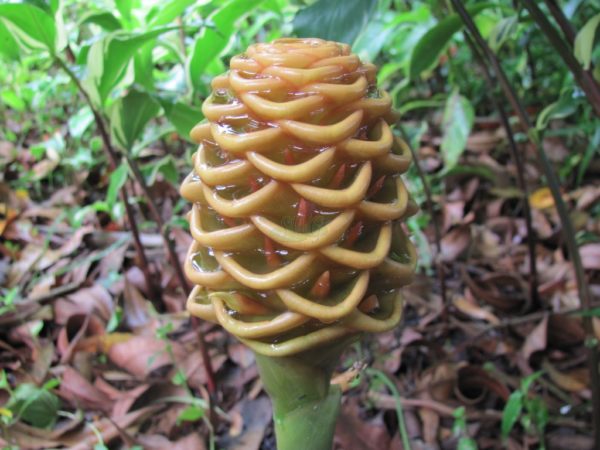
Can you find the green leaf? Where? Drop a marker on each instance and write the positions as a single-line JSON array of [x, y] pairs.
[[504, 30], [108, 60], [115, 319], [334, 20], [103, 19], [80, 121], [212, 41], [12, 100], [124, 7], [456, 125], [4, 381], [81, 213], [465, 443], [370, 42], [182, 116], [117, 180], [8, 45], [528, 381], [35, 406], [191, 414], [426, 53], [31, 27], [166, 12], [165, 166], [380, 31], [179, 378], [511, 412], [584, 42], [129, 116], [460, 421], [563, 107]]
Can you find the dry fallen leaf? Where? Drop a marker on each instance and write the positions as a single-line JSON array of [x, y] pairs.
[[141, 355], [473, 310], [536, 340], [81, 393], [455, 242], [573, 380]]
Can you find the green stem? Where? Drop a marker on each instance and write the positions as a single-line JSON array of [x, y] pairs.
[[305, 404]]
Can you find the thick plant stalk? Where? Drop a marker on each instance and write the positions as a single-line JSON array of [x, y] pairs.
[[298, 202], [305, 404]]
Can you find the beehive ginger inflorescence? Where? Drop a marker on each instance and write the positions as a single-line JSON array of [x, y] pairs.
[[298, 200]]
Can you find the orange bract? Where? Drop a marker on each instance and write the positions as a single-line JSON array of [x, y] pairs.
[[298, 199]]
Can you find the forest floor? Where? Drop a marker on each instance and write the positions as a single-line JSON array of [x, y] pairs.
[[89, 356]]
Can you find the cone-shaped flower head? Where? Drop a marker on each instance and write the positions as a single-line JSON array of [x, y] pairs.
[[298, 200]]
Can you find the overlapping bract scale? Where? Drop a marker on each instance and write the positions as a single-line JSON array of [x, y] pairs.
[[297, 200]]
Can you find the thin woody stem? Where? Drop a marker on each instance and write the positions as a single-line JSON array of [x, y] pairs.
[[516, 155], [124, 194], [113, 160], [561, 208], [436, 226]]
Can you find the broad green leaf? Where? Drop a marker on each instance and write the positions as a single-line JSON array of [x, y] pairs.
[[426, 53], [129, 116], [503, 31], [334, 20], [12, 100], [456, 124], [80, 121], [117, 180], [103, 19], [143, 66], [378, 33], [511, 413], [212, 41], [34, 405], [182, 116], [44, 5], [166, 12], [165, 166], [124, 7], [8, 45], [108, 59], [61, 31], [32, 27], [372, 39], [584, 42], [563, 107]]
